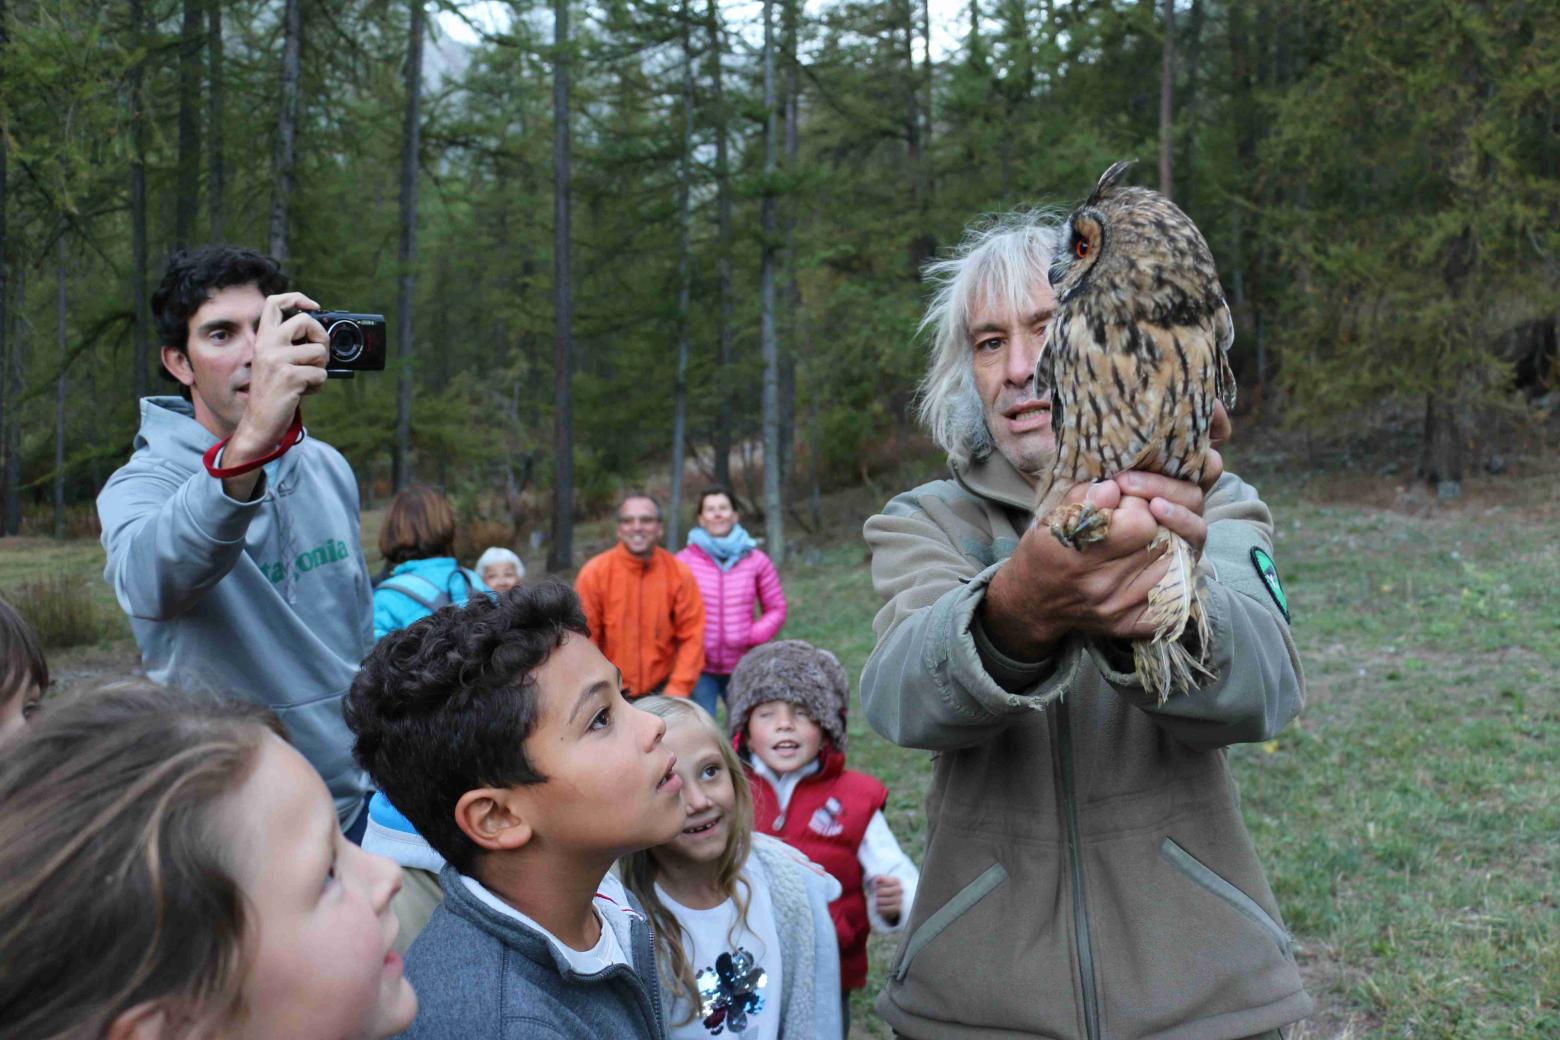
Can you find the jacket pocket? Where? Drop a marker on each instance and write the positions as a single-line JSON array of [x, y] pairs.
[[1204, 875], [949, 912]]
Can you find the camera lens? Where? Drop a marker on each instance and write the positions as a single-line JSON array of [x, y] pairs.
[[346, 341]]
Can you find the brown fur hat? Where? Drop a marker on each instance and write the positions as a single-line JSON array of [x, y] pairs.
[[791, 670]]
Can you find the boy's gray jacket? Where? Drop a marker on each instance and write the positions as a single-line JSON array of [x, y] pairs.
[[809, 946], [481, 975], [1087, 871], [267, 600]]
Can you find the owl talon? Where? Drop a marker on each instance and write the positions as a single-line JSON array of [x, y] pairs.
[[1079, 524]]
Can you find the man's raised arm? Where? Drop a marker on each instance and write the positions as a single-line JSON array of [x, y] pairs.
[[169, 537]]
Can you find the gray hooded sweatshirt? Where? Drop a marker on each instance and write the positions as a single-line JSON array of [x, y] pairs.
[[267, 600]]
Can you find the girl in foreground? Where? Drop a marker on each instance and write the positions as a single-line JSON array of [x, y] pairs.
[[744, 942], [173, 870]]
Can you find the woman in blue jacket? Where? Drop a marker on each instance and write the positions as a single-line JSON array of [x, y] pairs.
[[418, 539]]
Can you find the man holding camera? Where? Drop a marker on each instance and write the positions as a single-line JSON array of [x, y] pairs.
[[232, 537]]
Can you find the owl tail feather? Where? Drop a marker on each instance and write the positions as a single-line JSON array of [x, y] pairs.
[[1163, 663]]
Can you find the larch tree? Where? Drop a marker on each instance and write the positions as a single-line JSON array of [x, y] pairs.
[[560, 553], [285, 157], [774, 505], [407, 256]]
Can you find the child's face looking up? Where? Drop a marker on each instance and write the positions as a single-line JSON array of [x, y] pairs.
[[612, 787], [500, 577], [17, 706], [783, 736], [323, 967], [708, 796]]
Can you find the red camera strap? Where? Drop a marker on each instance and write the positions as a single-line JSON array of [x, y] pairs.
[[293, 435]]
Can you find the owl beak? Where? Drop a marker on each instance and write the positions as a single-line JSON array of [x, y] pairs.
[[1058, 272]]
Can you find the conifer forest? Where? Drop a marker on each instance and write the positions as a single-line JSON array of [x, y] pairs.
[[623, 240]]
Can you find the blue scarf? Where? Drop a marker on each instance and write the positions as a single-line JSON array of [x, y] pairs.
[[727, 551]]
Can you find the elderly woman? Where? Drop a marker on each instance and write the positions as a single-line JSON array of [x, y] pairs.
[[733, 574], [500, 568], [419, 540]]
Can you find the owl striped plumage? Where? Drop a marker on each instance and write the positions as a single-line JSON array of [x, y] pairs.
[[1137, 354]]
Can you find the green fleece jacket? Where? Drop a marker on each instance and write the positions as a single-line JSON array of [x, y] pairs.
[[1087, 871]]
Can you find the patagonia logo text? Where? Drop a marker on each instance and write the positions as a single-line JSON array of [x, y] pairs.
[[331, 551]]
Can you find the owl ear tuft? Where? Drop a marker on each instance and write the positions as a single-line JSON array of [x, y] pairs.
[[1109, 178]]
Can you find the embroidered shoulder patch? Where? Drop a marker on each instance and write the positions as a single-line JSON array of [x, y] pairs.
[[1264, 565]]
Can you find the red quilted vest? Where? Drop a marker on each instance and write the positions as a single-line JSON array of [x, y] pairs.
[[827, 819]]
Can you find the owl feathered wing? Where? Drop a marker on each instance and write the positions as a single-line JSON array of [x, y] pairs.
[[1133, 396], [1139, 396]]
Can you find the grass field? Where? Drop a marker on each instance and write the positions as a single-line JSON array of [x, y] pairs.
[[1409, 821]]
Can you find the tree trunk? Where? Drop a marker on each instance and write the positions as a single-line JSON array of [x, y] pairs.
[[13, 376], [684, 288], [815, 471], [1167, 100], [141, 349], [560, 554], [792, 296], [5, 253], [216, 173], [187, 204], [1193, 65], [927, 109], [286, 132], [1441, 463], [724, 356], [920, 245], [59, 390], [774, 507], [411, 139]]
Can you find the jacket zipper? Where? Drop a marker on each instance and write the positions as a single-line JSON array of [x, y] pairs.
[[720, 611], [1091, 1006], [653, 991]]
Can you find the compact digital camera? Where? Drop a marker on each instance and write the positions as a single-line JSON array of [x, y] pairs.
[[357, 342]]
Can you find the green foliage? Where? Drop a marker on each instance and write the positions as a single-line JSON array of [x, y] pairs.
[[1379, 183], [1418, 214]]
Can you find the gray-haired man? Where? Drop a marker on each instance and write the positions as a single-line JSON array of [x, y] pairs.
[[1087, 872]]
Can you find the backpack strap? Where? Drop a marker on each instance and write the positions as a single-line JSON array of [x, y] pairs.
[[394, 585]]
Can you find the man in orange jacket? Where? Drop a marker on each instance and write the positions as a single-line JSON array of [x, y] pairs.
[[643, 606]]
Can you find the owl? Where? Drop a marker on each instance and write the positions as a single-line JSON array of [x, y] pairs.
[[1137, 355]]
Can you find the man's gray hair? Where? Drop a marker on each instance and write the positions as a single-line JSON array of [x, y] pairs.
[[996, 264]]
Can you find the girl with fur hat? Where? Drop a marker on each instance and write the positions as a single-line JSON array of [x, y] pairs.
[[744, 941], [788, 702]]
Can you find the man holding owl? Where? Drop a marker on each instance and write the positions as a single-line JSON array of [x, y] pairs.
[[1087, 871]]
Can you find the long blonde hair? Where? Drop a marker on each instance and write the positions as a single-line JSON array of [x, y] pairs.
[[639, 870], [116, 883]]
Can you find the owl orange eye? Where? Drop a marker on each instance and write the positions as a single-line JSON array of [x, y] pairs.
[[1081, 248]]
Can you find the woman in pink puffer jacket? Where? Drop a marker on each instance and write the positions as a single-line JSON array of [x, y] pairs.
[[732, 574]]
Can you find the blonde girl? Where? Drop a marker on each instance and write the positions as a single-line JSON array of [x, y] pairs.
[[744, 943], [174, 871]]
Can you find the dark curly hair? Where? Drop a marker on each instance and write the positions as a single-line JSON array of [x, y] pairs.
[[194, 274], [445, 705]]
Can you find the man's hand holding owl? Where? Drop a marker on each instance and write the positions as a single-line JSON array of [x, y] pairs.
[[1047, 590]]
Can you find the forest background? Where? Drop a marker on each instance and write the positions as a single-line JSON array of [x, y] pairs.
[[630, 239], [653, 243]]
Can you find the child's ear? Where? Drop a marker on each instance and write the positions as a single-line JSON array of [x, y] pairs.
[[496, 818], [147, 1021]]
